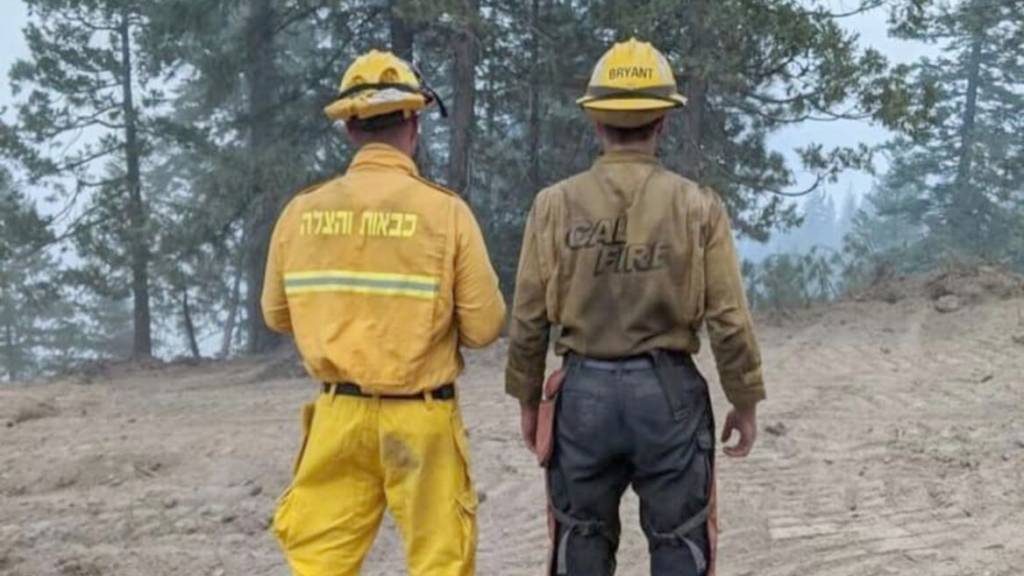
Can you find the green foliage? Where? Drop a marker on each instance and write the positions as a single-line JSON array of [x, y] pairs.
[[750, 69], [791, 281], [884, 241], [23, 290], [88, 116], [169, 156], [959, 181], [40, 329], [819, 226]]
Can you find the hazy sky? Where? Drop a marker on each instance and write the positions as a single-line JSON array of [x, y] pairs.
[[871, 27], [873, 30], [12, 45]]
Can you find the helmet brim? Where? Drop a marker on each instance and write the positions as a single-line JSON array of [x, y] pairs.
[[347, 108], [632, 103], [625, 118]]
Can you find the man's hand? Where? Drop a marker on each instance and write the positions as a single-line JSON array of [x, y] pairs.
[[745, 422], [528, 425]]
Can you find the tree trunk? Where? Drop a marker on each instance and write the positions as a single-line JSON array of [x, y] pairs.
[[463, 113], [261, 86], [142, 342], [403, 40], [695, 87], [232, 319], [963, 223], [10, 352], [970, 112], [533, 134], [190, 327], [402, 33]]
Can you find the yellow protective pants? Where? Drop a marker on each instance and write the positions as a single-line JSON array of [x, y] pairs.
[[362, 455]]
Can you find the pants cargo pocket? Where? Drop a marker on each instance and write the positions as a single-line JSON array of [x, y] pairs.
[[467, 500], [698, 539], [308, 411], [705, 454], [280, 524], [467, 514]]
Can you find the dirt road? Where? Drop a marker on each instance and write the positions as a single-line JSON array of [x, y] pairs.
[[893, 443]]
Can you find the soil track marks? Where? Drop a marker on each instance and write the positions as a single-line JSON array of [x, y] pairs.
[[901, 452]]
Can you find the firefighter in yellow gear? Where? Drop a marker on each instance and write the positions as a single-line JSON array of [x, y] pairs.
[[629, 260], [381, 276]]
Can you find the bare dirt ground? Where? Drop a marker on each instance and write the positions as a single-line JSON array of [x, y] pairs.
[[892, 443]]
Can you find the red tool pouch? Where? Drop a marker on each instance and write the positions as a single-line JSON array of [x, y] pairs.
[[546, 417], [713, 528]]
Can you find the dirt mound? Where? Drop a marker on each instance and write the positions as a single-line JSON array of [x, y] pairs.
[[975, 284], [283, 364], [91, 470], [950, 288], [103, 371], [70, 567], [29, 410]]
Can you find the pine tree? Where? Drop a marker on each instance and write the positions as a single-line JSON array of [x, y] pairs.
[[819, 223], [748, 69], [259, 75], [851, 206], [231, 94], [28, 292], [89, 117], [884, 239], [966, 171]]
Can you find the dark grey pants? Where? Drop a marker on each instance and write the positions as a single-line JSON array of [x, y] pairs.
[[614, 429]]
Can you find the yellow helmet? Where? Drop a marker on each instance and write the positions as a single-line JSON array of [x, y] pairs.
[[380, 83], [632, 85]]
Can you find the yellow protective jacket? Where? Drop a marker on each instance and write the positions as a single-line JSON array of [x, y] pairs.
[[627, 258], [381, 275]]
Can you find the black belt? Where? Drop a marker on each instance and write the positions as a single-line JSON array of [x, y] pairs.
[[445, 392], [627, 363]]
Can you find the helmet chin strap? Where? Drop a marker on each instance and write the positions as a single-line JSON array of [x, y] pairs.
[[435, 97], [427, 91]]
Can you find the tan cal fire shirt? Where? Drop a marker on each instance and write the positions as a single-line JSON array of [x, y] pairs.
[[627, 258], [382, 276]]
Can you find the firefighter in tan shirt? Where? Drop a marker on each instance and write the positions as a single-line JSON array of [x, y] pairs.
[[628, 260], [381, 276]]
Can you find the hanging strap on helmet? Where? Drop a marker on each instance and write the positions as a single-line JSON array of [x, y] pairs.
[[424, 89]]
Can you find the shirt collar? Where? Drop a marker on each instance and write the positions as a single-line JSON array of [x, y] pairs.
[[383, 157], [627, 157]]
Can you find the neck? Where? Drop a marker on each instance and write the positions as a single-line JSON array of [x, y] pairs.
[[403, 147], [648, 147]]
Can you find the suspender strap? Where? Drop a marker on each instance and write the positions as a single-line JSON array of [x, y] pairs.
[[570, 526], [681, 535]]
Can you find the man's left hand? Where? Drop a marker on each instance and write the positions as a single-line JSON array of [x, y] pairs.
[[743, 421]]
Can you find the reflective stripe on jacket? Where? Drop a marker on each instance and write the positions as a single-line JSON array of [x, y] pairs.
[[627, 258], [381, 275]]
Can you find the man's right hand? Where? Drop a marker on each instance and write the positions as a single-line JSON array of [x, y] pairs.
[[528, 425]]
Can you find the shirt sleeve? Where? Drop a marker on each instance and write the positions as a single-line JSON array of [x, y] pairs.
[[729, 324], [479, 304], [275, 300], [530, 329]]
